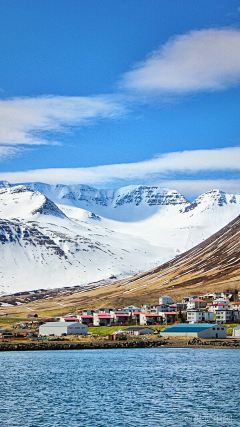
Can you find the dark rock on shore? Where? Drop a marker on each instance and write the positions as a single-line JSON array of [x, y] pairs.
[[47, 345]]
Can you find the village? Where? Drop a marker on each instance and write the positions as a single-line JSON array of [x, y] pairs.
[[204, 317]]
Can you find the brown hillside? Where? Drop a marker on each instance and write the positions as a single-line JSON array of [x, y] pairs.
[[213, 265]]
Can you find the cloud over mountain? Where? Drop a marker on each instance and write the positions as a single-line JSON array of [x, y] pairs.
[[203, 60]]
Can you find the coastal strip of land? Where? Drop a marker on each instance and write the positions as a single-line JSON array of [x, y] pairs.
[[102, 345]]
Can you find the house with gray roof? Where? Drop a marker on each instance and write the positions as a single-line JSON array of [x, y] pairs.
[[62, 328]]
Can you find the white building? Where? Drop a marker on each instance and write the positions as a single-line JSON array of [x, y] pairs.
[[196, 303], [198, 330], [221, 301], [236, 332], [157, 308], [195, 316], [131, 308], [224, 316], [235, 306], [217, 307], [138, 330], [102, 319], [156, 318], [62, 328], [165, 300]]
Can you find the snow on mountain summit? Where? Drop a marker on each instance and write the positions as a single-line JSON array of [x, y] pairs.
[[58, 235], [19, 202], [130, 203]]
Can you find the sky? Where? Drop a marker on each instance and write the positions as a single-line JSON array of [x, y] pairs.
[[113, 93]]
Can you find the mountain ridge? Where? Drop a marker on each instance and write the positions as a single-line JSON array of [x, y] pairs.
[[158, 224]]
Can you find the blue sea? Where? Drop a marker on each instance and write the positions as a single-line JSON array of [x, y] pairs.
[[120, 388]]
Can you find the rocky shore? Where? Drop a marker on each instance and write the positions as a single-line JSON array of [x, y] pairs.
[[95, 345]]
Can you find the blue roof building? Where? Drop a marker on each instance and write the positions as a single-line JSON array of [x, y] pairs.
[[200, 330]]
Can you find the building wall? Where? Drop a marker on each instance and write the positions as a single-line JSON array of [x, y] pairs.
[[76, 328], [200, 316], [236, 332], [144, 331], [214, 332], [165, 300], [206, 333]]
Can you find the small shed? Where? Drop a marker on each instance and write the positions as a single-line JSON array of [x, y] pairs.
[[138, 330], [236, 332], [62, 328], [199, 330]]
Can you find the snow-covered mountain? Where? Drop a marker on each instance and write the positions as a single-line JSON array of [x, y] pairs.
[[132, 203], [58, 235]]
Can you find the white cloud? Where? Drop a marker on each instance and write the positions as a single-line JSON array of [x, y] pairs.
[[204, 60], [10, 152], [24, 120], [164, 166]]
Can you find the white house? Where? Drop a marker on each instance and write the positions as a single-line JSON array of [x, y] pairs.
[[120, 316], [157, 308], [68, 318], [138, 330], [149, 318], [86, 319], [224, 316], [236, 332], [217, 307], [131, 308], [62, 328], [235, 306], [221, 301], [165, 299], [102, 319], [199, 330], [195, 316], [196, 303]]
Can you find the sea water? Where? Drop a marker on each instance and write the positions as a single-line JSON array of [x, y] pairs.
[[120, 388]]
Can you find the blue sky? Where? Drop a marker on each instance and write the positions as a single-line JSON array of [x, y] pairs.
[[111, 93]]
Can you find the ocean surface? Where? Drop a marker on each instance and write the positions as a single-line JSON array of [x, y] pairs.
[[120, 388]]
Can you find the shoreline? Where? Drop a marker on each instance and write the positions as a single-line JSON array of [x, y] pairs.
[[63, 345]]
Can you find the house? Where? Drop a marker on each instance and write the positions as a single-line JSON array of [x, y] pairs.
[[62, 328], [225, 316], [136, 316], [88, 312], [177, 306], [120, 317], [236, 332], [150, 318], [86, 319], [165, 299], [138, 330], [156, 308], [195, 316], [235, 306], [102, 319], [105, 310], [69, 319], [199, 330], [196, 303], [216, 307], [221, 301], [131, 308], [168, 316]]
